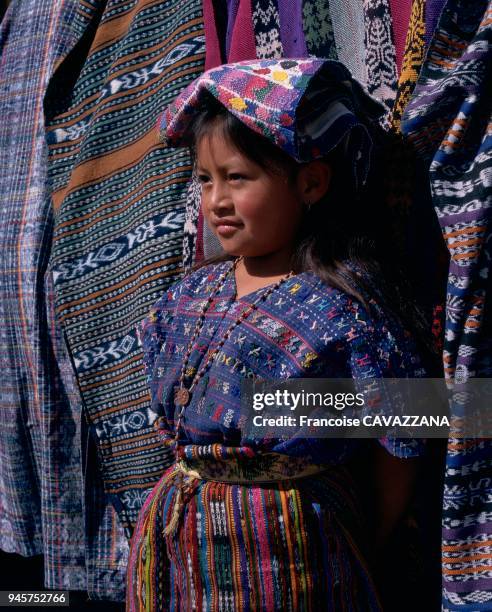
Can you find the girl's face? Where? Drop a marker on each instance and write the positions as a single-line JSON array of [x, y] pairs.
[[252, 212]]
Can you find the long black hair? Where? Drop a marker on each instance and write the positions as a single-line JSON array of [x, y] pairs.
[[345, 238]]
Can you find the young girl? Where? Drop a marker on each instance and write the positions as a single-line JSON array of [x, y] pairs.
[[283, 151]]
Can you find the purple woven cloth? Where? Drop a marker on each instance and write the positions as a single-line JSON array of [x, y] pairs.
[[433, 10], [232, 10], [291, 29]]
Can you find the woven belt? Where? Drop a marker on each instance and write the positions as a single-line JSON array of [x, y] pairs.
[[259, 469]]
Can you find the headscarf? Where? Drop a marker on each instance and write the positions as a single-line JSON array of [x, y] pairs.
[[304, 106]]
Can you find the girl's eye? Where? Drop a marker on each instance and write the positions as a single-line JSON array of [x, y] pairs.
[[235, 176], [203, 178]]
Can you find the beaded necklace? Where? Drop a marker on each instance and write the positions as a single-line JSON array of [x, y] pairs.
[[182, 395]]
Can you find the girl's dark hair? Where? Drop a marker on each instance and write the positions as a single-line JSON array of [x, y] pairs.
[[345, 238]]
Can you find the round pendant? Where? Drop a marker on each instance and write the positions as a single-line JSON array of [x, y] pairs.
[[182, 396]]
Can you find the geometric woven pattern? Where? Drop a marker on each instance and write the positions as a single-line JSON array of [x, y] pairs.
[[448, 123], [120, 199]]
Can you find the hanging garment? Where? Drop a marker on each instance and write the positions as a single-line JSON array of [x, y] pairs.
[[400, 18], [291, 28], [213, 52], [433, 10], [348, 30], [42, 506], [119, 199], [318, 29], [412, 61], [241, 35], [266, 24], [448, 123], [380, 54]]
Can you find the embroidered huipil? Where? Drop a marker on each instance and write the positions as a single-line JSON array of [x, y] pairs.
[[303, 329]]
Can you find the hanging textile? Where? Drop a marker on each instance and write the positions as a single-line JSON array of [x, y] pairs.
[[412, 61], [400, 19], [380, 54], [266, 23], [401, 180], [241, 35], [348, 31], [448, 123], [213, 51], [291, 28], [119, 198], [318, 29], [433, 10], [42, 510]]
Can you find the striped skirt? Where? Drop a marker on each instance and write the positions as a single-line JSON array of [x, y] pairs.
[[257, 545]]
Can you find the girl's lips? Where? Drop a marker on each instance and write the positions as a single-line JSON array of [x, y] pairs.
[[227, 230]]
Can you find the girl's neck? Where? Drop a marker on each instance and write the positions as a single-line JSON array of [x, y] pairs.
[[266, 266], [253, 273]]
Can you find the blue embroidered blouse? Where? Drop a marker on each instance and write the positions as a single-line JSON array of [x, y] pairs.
[[304, 329]]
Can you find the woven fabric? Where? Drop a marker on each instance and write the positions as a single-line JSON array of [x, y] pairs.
[[412, 61], [294, 554], [43, 509], [232, 13], [291, 29], [213, 55], [433, 11], [348, 30], [448, 123], [266, 24], [304, 329], [119, 200], [243, 45], [306, 107], [318, 29], [289, 336], [380, 54], [400, 19]]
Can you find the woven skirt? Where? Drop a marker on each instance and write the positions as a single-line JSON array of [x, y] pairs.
[[285, 545]]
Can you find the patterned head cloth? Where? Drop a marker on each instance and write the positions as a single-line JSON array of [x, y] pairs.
[[304, 106]]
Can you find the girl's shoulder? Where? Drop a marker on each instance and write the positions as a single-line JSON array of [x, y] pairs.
[[369, 326], [197, 281]]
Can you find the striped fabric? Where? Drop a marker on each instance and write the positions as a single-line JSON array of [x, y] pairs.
[[119, 200], [448, 124], [41, 477], [295, 554]]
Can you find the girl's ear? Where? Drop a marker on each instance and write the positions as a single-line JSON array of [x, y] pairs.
[[313, 181]]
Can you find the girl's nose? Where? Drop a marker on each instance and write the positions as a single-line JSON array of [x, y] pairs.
[[219, 197]]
